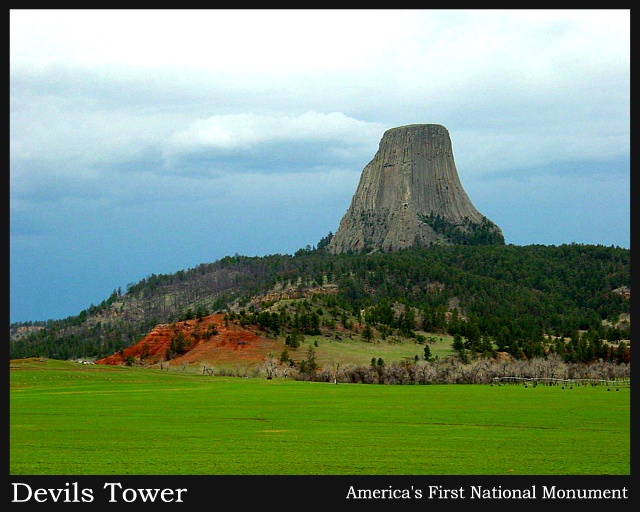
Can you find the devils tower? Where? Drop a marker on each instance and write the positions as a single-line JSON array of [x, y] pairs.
[[410, 195]]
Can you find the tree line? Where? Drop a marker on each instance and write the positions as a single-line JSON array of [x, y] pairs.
[[512, 296]]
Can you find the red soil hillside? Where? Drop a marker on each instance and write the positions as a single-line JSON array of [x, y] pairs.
[[231, 345]]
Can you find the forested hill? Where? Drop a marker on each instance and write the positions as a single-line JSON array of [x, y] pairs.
[[508, 292]]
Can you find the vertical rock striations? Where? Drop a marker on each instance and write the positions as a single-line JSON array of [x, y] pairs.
[[410, 195]]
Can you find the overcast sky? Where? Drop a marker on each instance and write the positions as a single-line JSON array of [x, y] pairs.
[[150, 141]]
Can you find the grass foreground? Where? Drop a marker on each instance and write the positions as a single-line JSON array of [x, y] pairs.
[[72, 419]]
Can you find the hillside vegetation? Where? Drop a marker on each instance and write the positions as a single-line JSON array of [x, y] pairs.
[[526, 301]]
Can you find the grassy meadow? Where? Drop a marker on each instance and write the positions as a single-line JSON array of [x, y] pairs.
[[72, 419], [355, 351]]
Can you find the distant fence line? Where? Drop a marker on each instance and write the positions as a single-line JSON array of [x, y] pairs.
[[551, 381]]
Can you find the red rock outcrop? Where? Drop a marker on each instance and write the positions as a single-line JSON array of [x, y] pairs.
[[209, 340]]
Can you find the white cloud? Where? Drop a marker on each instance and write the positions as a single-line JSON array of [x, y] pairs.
[[516, 149], [310, 41], [243, 131], [269, 41], [115, 85]]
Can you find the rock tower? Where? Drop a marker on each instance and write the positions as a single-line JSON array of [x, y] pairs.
[[410, 195]]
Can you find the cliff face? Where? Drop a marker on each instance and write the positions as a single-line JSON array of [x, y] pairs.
[[410, 195]]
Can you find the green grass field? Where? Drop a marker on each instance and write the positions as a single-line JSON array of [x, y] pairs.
[[73, 419]]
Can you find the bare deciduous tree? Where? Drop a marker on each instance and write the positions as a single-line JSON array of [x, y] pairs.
[[270, 366]]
